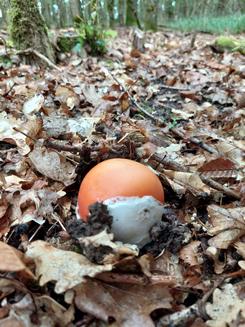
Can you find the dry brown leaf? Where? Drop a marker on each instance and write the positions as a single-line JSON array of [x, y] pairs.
[[56, 125], [240, 247], [190, 253], [91, 95], [32, 205], [168, 264], [3, 205], [66, 268], [52, 165], [228, 225], [9, 135], [12, 321], [12, 260], [231, 152], [52, 313], [226, 307], [184, 181], [47, 310], [67, 96], [33, 105], [119, 249], [129, 305]]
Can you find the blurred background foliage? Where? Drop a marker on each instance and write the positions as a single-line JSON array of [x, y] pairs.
[[216, 16]]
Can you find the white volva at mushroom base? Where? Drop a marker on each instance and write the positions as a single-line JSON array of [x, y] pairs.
[[133, 218]]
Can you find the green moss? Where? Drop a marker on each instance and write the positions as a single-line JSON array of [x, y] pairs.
[[20, 26], [66, 44], [27, 27], [230, 43]]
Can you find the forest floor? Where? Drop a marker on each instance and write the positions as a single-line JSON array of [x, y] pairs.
[[179, 108]]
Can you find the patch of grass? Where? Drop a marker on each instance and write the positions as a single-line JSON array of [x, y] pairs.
[[217, 25]]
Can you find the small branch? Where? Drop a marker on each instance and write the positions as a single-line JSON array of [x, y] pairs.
[[195, 141], [123, 278], [112, 277], [63, 147], [168, 87], [217, 186], [169, 164], [180, 318], [25, 134], [40, 56]]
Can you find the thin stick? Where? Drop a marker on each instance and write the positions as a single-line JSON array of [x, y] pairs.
[[28, 136], [172, 88], [35, 233], [169, 164], [180, 318], [217, 186], [111, 277], [39, 55]]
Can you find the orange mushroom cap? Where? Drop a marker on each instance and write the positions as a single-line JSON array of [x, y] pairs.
[[117, 178]]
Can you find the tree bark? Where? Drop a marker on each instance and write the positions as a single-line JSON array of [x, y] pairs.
[[28, 29]]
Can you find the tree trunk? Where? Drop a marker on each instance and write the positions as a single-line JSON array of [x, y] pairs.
[[28, 29]]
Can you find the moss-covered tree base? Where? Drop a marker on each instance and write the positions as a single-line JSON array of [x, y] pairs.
[[28, 29]]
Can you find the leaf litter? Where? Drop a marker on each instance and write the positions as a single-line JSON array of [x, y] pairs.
[[175, 109]]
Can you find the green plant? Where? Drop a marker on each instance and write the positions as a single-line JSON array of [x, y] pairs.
[[92, 35]]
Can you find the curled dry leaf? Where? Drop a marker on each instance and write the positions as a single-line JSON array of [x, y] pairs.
[[47, 311], [66, 268], [33, 105], [67, 96], [190, 253], [226, 307], [9, 135], [105, 239], [32, 205], [228, 225], [52, 165], [19, 314], [240, 247], [52, 313], [129, 305]]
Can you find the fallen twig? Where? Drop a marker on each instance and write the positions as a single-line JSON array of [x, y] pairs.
[[217, 186], [113, 277], [63, 147], [195, 310], [172, 88], [195, 141], [169, 164], [40, 56]]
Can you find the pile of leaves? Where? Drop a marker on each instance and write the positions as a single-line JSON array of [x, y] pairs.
[[177, 107]]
